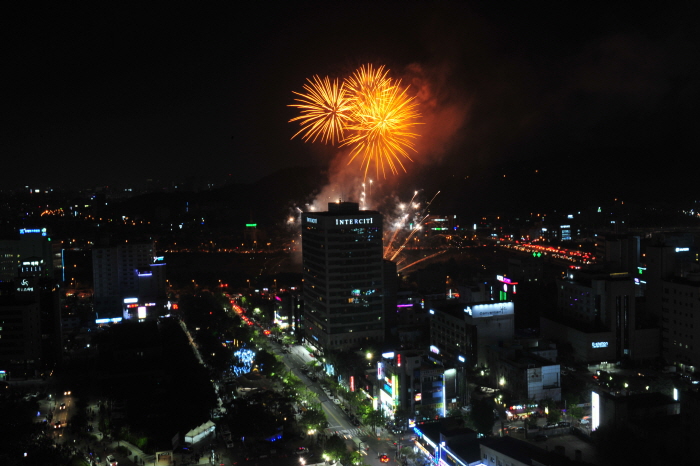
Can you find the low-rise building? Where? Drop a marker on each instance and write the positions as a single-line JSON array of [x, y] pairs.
[[462, 332], [526, 374]]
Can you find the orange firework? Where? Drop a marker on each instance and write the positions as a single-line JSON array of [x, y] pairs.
[[382, 129], [367, 84], [325, 110], [375, 111]]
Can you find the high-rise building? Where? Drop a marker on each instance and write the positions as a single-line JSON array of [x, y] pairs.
[[129, 281], [33, 246], [343, 277], [597, 315]]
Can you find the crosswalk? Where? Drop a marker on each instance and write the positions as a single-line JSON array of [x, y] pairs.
[[347, 433]]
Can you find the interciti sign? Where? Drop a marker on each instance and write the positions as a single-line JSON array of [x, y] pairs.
[[353, 221], [346, 221]]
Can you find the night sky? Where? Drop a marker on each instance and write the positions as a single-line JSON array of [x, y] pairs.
[[606, 97]]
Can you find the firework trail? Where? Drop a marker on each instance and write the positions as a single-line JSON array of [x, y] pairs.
[[377, 113], [400, 225], [391, 252], [421, 260], [408, 238]]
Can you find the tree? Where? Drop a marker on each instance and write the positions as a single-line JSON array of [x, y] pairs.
[[269, 364], [335, 447], [532, 422], [554, 415], [410, 454], [287, 340], [573, 411], [374, 418], [313, 418], [553, 412], [357, 459]]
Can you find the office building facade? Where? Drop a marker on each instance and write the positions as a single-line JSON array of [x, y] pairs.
[[129, 281], [343, 277]]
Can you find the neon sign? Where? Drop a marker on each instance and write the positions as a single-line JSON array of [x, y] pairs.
[[353, 221]]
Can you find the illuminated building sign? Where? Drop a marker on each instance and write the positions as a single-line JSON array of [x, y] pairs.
[[595, 411], [682, 249], [388, 386], [24, 286], [434, 349], [251, 225], [388, 355], [353, 221], [395, 389], [487, 310], [108, 321], [418, 397], [311, 220], [599, 344], [503, 279], [131, 300], [27, 231]]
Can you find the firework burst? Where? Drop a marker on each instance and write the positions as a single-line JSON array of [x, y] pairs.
[[325, 110], [368, 112]]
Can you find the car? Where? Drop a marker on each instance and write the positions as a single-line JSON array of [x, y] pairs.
[[540, 438], [63, 406], [383, 458], [564, 424], [111, 460], [585, 421], [336, 401], [67, 392], [57, 425]]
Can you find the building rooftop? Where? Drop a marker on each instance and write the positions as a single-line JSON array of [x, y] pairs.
[[527, 453]]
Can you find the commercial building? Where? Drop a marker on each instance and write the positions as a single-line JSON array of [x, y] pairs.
[[448, 442], [461, 332], [343, 277], [527, 373], [673, 298], [417, 383], [32, 247], [20, 337], [596, 314], [129, 282]]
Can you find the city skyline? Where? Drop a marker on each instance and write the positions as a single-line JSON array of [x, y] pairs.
[[102, 96]]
